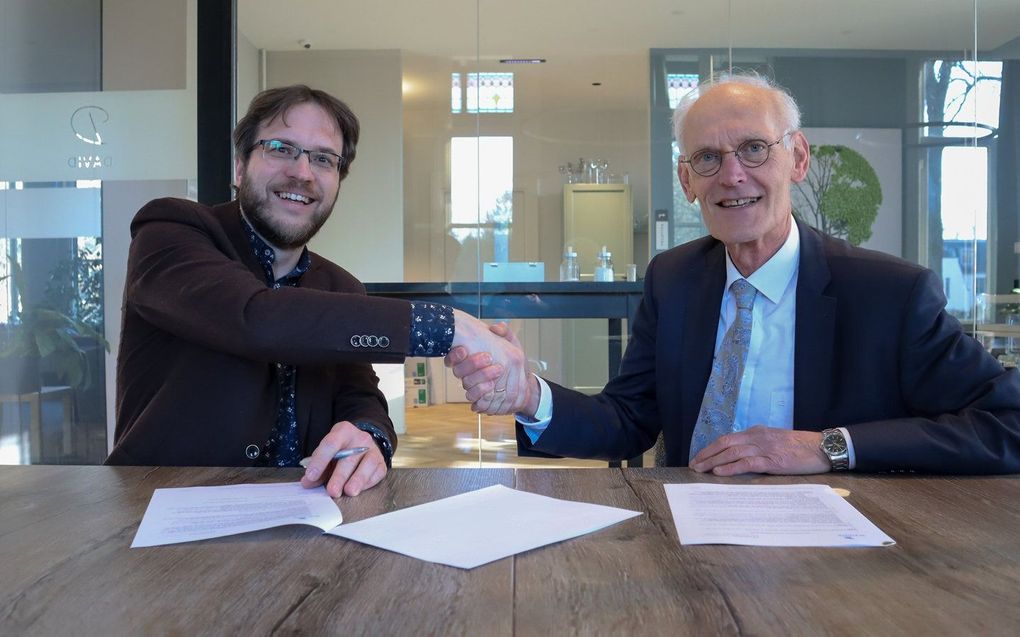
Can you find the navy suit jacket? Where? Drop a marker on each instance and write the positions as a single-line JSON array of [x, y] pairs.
[[875, 352]]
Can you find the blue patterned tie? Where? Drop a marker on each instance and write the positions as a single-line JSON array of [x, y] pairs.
[[717, 407]]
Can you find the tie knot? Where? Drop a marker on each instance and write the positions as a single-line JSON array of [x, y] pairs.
[[743, 293]]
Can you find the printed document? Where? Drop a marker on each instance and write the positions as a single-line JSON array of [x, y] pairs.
[[200, 513], [478, 527], [769, 515]]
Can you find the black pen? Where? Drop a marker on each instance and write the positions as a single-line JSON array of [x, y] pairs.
[[343, 453]]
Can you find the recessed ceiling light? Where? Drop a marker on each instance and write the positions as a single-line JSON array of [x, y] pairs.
[[522, 61]]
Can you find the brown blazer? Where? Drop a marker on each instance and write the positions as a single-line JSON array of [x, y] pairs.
[[202, 334]]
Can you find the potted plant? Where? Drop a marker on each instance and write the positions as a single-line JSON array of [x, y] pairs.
[[50, 334]]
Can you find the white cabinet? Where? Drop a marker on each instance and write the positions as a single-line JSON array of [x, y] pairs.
[[596, 215]]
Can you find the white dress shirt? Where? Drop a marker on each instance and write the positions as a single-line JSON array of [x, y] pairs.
[[766, 388]]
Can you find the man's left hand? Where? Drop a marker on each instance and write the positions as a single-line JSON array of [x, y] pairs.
[[763, 449], [350, 475]]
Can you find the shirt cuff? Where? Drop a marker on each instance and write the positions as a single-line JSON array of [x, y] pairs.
[[380, 438], [543, 415], [851, 457], [432, 327]]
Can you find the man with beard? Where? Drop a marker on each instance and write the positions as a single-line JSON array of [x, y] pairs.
[[240, 347]]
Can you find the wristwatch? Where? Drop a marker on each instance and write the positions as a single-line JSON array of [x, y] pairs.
[[834, 446]]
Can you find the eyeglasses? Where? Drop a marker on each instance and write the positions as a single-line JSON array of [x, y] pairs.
[[274, 149], [750, 154]]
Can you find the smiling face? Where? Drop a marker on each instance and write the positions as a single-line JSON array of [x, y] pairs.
[[748, 209], [287, 201]]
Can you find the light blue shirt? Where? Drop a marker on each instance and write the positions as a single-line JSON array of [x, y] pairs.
[[766, 388]]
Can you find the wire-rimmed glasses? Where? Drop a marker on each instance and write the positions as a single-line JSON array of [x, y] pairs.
[[751, 154]]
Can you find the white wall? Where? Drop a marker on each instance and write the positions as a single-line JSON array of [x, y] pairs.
[[365, 234], [248, 74], [144, 44]]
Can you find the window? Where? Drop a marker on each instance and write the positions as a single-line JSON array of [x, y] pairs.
[[678, 85], [486, 93], [961, 117], [687, 224], [481, 190]]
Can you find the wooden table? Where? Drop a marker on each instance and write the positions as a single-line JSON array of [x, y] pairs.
[[67, 568]]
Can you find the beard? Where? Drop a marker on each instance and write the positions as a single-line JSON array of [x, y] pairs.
[[256, 208]]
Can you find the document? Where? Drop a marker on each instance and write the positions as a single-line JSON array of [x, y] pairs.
[[478, 527], [769, 515], [200, 513]]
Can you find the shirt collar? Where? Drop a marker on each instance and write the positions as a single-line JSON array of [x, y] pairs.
[[266, 256], [774, 276]]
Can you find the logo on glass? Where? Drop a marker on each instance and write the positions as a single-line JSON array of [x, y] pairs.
[[84, 124]]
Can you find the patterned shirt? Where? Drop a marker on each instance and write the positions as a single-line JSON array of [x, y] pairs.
[[432, 327], [282, 449]]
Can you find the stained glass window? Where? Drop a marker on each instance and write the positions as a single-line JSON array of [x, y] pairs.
[[456, 95], [486, 93], [678, 85]]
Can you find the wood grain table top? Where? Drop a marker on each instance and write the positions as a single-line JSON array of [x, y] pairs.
[[67, 566]]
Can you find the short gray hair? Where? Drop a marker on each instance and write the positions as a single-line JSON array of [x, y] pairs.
[[789, 112]]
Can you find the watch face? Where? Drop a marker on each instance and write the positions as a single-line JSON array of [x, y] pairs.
[[834, 444]]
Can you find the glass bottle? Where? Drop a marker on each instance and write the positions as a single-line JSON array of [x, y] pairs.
[[604, 269], [569, 269]]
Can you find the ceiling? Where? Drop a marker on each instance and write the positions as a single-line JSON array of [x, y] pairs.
[[486, 29]]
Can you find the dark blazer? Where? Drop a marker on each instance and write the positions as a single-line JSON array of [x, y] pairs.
[[875, 352], [202, 333]]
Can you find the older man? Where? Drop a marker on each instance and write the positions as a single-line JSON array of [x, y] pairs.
[[241, 347], [770, 347]]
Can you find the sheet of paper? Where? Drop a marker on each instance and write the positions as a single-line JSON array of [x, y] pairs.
[[199, 513], [769, 515], [478, 527]]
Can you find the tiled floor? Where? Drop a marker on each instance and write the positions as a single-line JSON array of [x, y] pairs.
[[448, 436]]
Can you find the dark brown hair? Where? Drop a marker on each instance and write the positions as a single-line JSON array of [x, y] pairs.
[[275, 102]]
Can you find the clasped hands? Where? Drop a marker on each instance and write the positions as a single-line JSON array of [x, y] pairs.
[[492, 367]]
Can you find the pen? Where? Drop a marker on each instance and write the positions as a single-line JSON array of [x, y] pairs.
[[343, 453]]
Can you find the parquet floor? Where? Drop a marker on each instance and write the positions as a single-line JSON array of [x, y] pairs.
[[448, 436]]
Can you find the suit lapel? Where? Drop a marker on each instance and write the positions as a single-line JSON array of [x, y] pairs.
[[815, 333], [701, 322]]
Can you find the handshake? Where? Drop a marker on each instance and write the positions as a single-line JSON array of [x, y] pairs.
[[490, 363]]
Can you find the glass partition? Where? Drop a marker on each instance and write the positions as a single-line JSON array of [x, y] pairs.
[[498, 137], [533, 131], [99, 99]]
